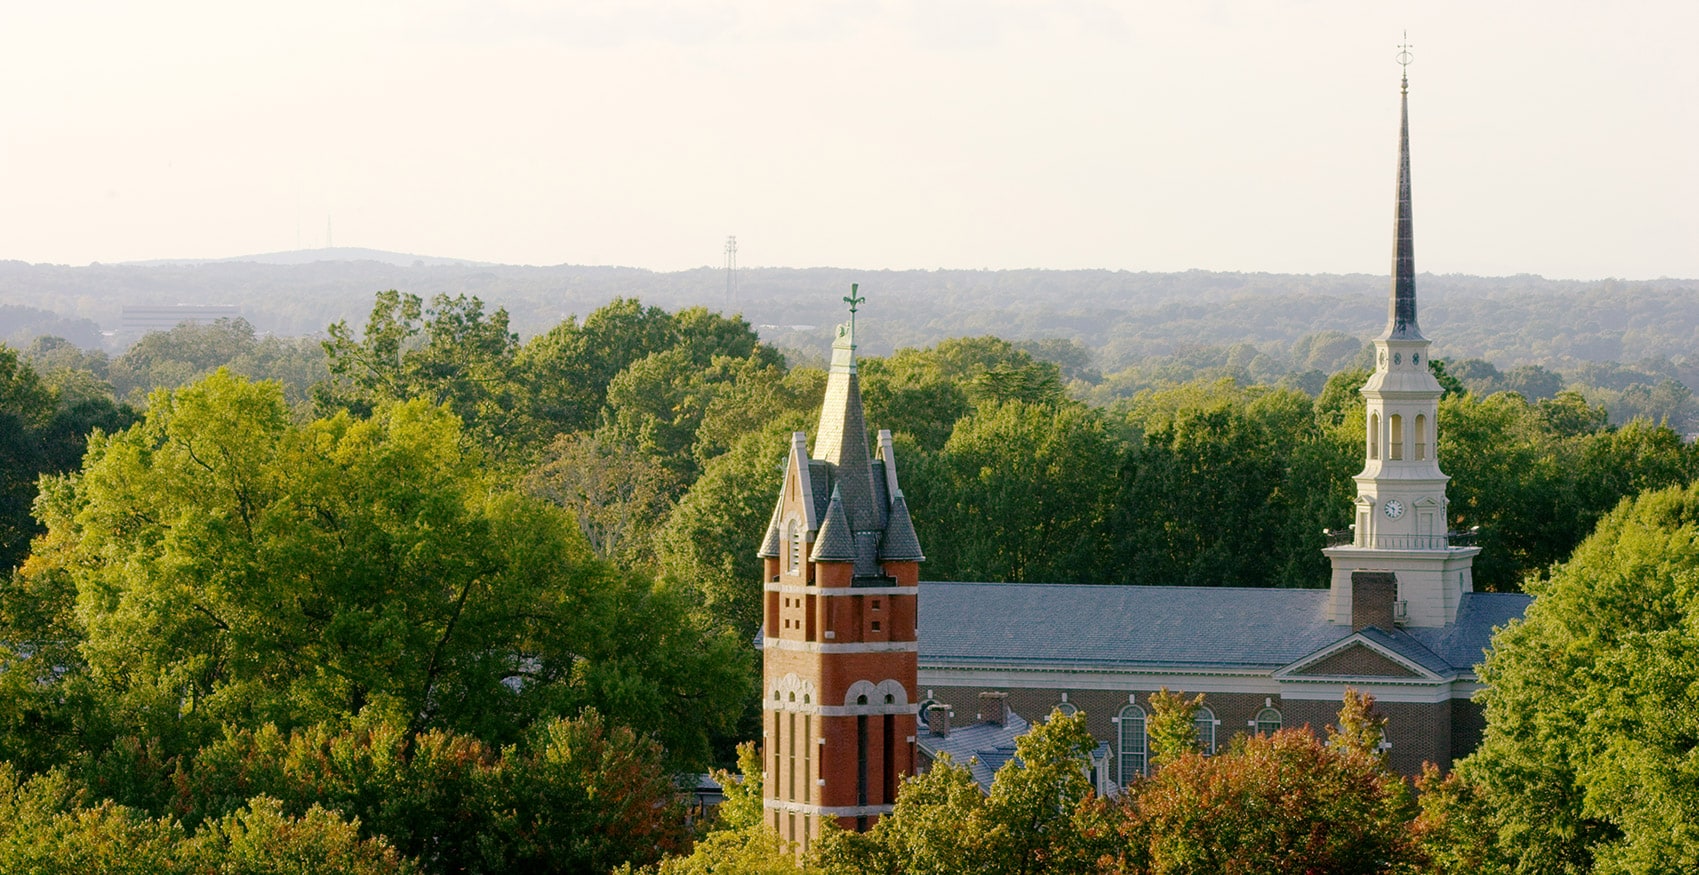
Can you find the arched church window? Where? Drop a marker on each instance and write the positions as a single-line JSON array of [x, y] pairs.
[[1132, 743], [1066, 709], [1374, 435], [1395, 445], [1421, 437], [1268, 721], [1203, 723]]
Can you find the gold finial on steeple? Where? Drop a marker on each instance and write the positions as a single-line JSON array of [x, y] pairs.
[[1404, 59]]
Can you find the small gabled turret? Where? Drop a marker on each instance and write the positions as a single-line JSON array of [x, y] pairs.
[[835, 542], [900, 544]]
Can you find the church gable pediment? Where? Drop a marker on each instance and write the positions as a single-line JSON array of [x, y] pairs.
[[1355, 657]]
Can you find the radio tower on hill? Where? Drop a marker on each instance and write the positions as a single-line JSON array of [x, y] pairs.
[[731, 271]]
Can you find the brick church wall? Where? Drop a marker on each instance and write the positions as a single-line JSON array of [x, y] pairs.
[[1419, 732]]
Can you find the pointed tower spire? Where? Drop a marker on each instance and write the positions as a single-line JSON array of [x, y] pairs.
[[1401, 510], [842, 436], [1401, 317]]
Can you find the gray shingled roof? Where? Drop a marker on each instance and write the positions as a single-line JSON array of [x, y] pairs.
[[835, 543], [1408, 646], [841, 439], [1464, 643], [771, 545], [901, 544], [982, 747], [1079, 625]]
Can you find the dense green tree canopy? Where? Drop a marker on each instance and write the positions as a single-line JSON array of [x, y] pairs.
[[1039, 815], [229, 566], [1591, 706], [1021, 491]]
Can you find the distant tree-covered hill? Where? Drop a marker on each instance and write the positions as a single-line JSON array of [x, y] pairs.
[[1122, 316]]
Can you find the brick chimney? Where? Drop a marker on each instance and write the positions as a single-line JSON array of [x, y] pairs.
[[1372, 597], [994, 708], [938, 720]]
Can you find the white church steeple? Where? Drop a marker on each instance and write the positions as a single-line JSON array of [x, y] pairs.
[[1401, 506]]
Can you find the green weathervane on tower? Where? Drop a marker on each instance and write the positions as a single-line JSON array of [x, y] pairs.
[[854, 301]]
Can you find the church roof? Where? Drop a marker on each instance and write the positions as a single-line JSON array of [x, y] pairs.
[[1466, 641], [982, 747], [1090, 626]]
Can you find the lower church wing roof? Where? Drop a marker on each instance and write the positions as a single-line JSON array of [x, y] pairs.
[[1465, 643], [1227, 628]]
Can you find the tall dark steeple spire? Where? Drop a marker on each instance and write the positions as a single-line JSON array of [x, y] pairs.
[[1401, 318]]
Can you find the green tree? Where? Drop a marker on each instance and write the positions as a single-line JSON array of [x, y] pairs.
[[923, 392], [188, 352], [25, 404], [1172, 729], [47, 826], [708, 543], [1024, 491], [1537, 477], [615, 492], [567, 370], [230, 566], [1232, 486], [44, 427], [449, 353], [1039, 816], [1361, 728], [1590, 702], [1284, 802]]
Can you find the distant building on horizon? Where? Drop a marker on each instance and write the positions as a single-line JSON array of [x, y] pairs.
[[164, 317]]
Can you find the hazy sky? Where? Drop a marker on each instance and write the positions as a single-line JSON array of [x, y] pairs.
[[1557, 138]]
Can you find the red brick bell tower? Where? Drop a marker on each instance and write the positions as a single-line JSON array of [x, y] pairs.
[[842, 575]]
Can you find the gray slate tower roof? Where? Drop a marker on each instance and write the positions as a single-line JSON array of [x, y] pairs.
[[835, 543], [842, 436], [900, 544], [865, 520], [1401, 316]]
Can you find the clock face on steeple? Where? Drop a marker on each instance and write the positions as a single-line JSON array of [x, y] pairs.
[[1393, 509]]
